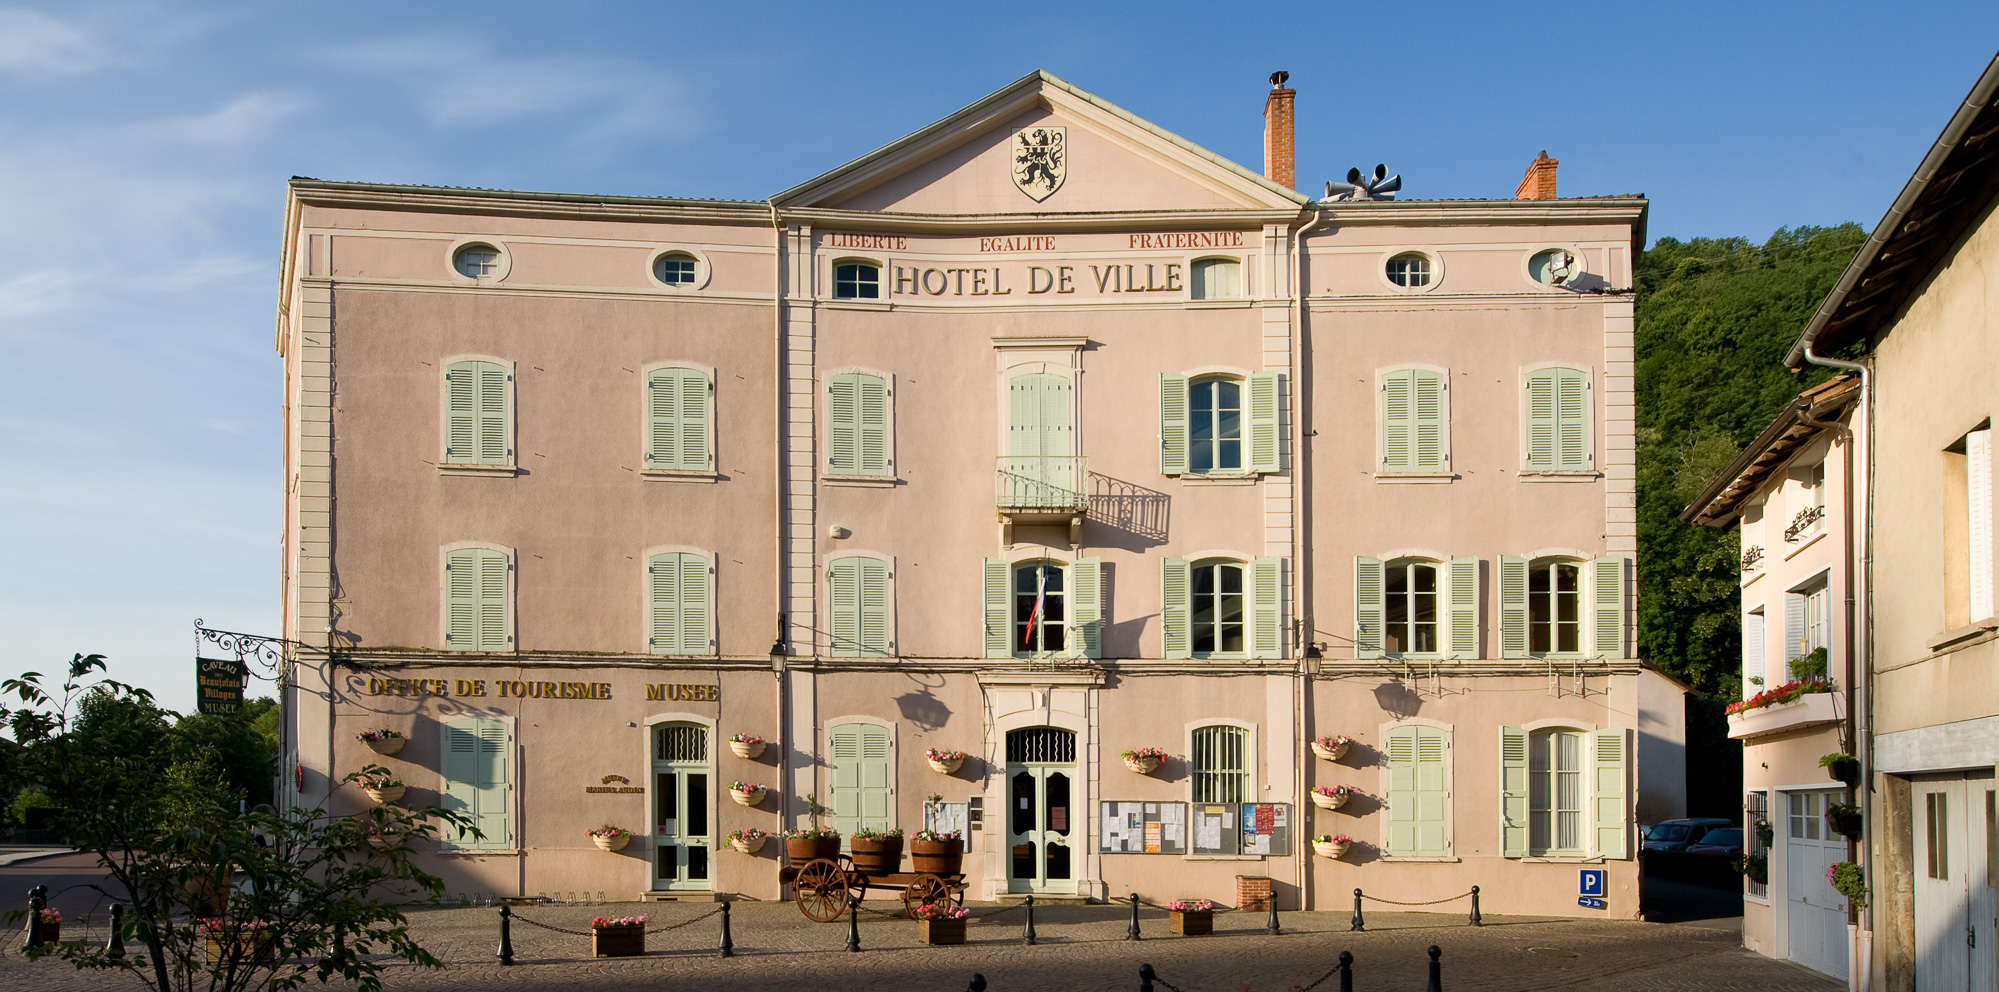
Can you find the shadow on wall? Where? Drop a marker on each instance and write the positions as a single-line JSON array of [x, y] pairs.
[[1136, 516], [1120, 639], [923, 709], [1398, 700]]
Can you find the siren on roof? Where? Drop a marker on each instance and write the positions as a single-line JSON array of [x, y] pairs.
[[1381, 186]]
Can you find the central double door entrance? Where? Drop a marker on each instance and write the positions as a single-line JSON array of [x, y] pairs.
[[1043, 818]]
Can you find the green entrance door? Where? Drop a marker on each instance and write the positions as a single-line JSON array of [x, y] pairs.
[[1042, 803], [681, 791]]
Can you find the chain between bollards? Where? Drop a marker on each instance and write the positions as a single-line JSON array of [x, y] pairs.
[[1476, 920], [1436, 970], [1027, 932], [1131, 932], [728, 946], [1359, 921], [114, 946], [853, 924], [506, 951]]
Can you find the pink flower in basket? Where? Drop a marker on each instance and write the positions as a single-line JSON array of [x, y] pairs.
[[1191, 905]]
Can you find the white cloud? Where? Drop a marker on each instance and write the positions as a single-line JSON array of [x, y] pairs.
[[31, 41], [251, 117]]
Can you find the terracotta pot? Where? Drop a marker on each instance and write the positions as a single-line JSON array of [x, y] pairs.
[[387, 794], [1143, 766], [1324, 801], [747, 797], [938, 857], [611, 843], [876, 855], [940, 931], [1193, 922], [389, 746], [748, 846], [803, 849], [1329, 753], [1330, 849], [743, 750], [617, 942], [945, 765]]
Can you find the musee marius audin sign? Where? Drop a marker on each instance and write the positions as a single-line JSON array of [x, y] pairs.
[[942, 270]]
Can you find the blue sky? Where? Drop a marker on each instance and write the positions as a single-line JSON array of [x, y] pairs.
[[144, 149]]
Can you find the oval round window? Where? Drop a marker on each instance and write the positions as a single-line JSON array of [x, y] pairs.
[[1554, 267], [675, 268], [1410, 269], [477, 262]]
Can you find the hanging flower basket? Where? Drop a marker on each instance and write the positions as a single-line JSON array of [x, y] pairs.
[[944, 762], [610, 838], [748, 840], [746, 746], [1331, 796], [746, 793], [1144, 760], [1332, 748], [386, 794], [384, 742], [1334, 847]]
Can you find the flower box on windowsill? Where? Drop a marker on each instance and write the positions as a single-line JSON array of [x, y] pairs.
[[1810, 710]]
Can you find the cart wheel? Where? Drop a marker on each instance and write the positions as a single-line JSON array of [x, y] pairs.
[[925, 890], [821, 891]]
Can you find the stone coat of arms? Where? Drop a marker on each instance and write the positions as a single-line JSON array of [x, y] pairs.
[[1040, 160]]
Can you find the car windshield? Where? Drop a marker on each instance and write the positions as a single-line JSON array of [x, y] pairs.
[[1723, 838], [1671, 832]]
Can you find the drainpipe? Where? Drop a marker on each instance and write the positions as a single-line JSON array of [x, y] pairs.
[[1301, 682], [1859, 642], [778, 489]]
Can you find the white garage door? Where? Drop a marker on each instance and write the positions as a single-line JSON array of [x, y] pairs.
[[1954, 823], [1815, 912]]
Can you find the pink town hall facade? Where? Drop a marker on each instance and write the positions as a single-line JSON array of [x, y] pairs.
[[1040, 435]]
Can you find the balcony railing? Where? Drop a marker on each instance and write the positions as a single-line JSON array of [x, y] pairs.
[[1046, 483], [1804, 525]]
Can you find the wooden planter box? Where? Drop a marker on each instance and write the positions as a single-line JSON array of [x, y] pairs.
[[617, 942], [51, 933], [940, 931], [878, 857], [803, 849], [1193, 922], [938, 857], [251, 948]]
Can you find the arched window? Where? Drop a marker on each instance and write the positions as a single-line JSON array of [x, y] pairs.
[[1555, 796], [1554, 606], [1225, 424], [1040, 620], [1214, 425], [1410, 590], [857, 280], [1220, 763], [682, 788], [1216, 607]]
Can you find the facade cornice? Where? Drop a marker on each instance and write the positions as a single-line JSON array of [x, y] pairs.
[[991, 671], [1410, 213], [569, 206]]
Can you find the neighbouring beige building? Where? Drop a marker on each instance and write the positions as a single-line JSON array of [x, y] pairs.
[[1790, 495], [1039, 434], [1916, 306]]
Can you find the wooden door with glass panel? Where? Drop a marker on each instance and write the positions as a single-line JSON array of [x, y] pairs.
[[1041, 802], [681, 794]]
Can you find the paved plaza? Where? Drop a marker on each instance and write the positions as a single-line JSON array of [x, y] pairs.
[[1079, 948]]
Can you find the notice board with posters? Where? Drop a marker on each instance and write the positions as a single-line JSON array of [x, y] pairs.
[[1242, 828], [1142, 828]]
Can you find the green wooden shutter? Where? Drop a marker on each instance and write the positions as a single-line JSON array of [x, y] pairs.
[[1433, 794], [475, 781], [1172, 424], [1607, 607], [999, 615], [1611, 805], [1429, 447], [1396, 422], [495, 444], [1461, 592], [843, 600], [872, 400], [1512, 607], [1266, 608], [877, 595], [1572, 447], [1402, 805], [1513, 792], [677, 407], [495, 630], [843, 419], [1175, 586], [1086, 607], [1265, 438], [461, 406], [861, 784], [1368, 608], [696, 615], [1542, 423], [663, 580], [461, 595]]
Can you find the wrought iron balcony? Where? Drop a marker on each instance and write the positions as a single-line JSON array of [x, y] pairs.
[[1804, 524], [1752, 558], [1038, 484]]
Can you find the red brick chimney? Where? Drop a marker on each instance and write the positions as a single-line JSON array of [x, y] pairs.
[[1539, 183], [1279, 163]]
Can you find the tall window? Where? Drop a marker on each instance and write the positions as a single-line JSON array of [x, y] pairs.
[[476, 781], [1409, 607], [477, 590], [1555, 415], [1414, 435], [1216, 608], [682, 787], [1216, 279], [1555, 792], [1419, 794], [857, 416], [857, 281], [678, 419], [860, 597], [1754, 636], [1756, 815], [682, 613], [1221, 765], [1554, 607], [1038, 598], [478, 425], [1214, 425]]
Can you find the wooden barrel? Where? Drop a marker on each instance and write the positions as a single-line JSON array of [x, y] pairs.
[[877, 856], [937, 857], [803, 849]]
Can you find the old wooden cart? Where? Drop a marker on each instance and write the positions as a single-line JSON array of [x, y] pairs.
[[823, 887]]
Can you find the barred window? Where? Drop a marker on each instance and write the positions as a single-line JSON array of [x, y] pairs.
[[1221, 765]]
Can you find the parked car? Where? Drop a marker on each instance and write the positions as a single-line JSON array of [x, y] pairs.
[[1673, 836], [1723, 843]]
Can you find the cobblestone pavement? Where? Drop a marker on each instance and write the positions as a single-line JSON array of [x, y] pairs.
[[1080, 948]]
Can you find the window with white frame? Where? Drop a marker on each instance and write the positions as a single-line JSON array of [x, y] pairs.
[[478, 590], [1220, 764], [478, 261], [1555, 794], [1554, 607], [1220, 424], [676, 268], [860, 600], [1216, 279], [680, 600], [1410, 607], [1555, 417], [1038, 597], [1416, 607], [1410, 270], [857, 280], [1220, 607], [859, 435], [1418, 796], [1808, 632], [1214, 425], [1415, 432], [1043, 608], [1557, 606], [1217, 607], [1565, 793]]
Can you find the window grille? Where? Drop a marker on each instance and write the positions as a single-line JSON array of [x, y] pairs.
[[1757, 811], [1042, 744], [1221, 765], [680, 742]]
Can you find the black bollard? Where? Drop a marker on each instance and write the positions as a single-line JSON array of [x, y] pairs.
[[1272, 923], [728, 946], [1027, 933], [1359, 921], [1436, 971], [1346, 971], [114, 946], [1131, 932], [1145, 977], [853, 924], [978, 983], [506, 951], [37, 898], [1476, 920]]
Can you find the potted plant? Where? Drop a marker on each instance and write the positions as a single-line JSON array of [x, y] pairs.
[[1754, 867], [52, 926], [1332, 748], [937, 853], [1331, 845], [1192, 917], [944, 761], [1844, 818], [748, 840], [382, 786], [1847, 878], [384, 742], [940, 923], [746, 793], [618, 936], [746, 746], [1331, 796], [1842, 767], [379, 837], [245, 940], [1143, 760], [610, 838], [876, 851], [811, 844]]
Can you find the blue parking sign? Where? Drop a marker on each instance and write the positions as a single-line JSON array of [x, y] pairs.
[[1591, 882]]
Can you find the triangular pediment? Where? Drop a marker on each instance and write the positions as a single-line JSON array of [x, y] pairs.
[[1109, 161]]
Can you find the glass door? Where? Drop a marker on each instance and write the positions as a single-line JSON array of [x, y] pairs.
[[1041, 806], [680, 800]]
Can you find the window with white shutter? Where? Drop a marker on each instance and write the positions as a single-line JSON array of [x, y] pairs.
[[1415, 422], [1555, 419], [1222, 608], [478, 414], [1755, 645], [861, 599], [1418, 798], [862, 780], [478, 592], [680, 418], [681, 614], [1220, 424], [860, 438]]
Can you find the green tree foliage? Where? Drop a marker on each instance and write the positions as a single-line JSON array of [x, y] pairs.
[[1715, 318]]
